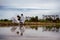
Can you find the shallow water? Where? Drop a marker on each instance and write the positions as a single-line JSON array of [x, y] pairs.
[[29, 33]]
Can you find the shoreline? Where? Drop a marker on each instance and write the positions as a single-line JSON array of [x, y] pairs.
[[28, 23]]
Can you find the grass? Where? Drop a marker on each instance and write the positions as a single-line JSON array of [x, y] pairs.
[[28, 23]]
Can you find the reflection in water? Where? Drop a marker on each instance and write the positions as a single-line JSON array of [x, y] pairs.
[[21, 29], [51, 28], [34, 27], [44, 28], [13, 28], [17, 32], [47, 28], [30, 33]]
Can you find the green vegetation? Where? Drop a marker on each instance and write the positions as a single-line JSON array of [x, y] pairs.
[[5, 20], [35, 19]]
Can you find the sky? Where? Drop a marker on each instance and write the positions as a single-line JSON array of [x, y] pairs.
[[10, 8]]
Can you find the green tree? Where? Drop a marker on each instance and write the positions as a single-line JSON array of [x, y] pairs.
[[5, 19], [36, 18]]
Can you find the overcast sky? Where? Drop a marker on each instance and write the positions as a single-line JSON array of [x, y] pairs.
[[10, 8]]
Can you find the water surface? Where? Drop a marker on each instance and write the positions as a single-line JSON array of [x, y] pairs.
[[30, 33]]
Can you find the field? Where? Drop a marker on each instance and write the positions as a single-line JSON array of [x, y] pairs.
[[28, 23]]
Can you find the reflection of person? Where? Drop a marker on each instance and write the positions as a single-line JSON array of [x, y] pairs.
[[17, 32], [13, 29], [22, 29]]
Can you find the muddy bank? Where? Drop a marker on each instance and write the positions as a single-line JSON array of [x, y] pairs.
[[27, 23]]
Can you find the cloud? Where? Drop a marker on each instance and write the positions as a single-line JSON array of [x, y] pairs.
[[9, 8], [28, 3]]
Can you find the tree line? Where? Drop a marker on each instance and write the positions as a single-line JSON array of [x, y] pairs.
[[34, 19], [5, 20]]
